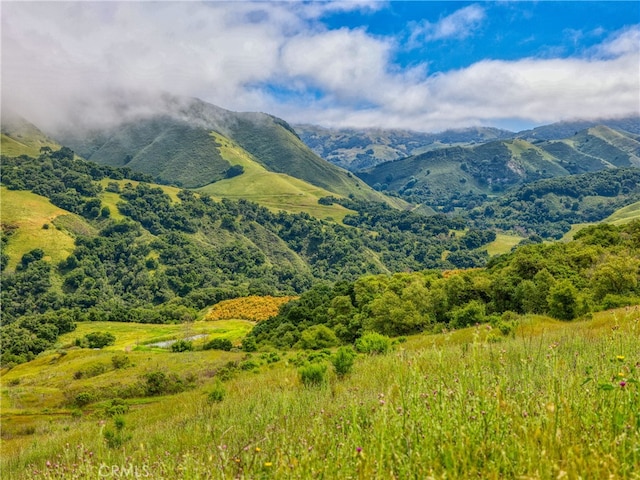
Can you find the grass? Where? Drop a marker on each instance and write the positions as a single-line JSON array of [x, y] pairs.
[[503, 244], [30, 213], [619, 217], [276, 191], [557, 400], [28, 143]]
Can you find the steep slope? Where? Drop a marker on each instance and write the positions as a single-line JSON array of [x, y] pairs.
[[20, 137], [492, 167], [277, 191], [560, 130], [360, 149], [175, 146]]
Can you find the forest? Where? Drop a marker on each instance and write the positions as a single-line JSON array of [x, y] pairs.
[[166, 259], [383, 270]]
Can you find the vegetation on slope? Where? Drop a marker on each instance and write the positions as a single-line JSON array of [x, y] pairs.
[[557, 399], [600, 269], [459, 177], [171, 257]]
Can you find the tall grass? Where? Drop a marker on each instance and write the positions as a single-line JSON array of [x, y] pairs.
[[559, 400]]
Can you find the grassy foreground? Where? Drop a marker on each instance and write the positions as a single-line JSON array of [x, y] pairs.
[[559, 400]]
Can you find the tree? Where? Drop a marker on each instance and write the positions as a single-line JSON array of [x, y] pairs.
[[563, 300]]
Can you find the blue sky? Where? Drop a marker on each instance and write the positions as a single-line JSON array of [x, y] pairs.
[[419, 65]]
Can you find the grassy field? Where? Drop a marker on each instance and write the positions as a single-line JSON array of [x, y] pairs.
[[502, 244], [30, 213], [623, 215], [557, 400], [28, 144], [276, 191]]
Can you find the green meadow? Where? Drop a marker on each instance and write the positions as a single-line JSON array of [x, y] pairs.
[[32, 217], [276, 191], [554, 400]]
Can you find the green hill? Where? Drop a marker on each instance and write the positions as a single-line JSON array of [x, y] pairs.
[[357, 150], [177, 147], [19, 137], [439, 178], [277, 191]]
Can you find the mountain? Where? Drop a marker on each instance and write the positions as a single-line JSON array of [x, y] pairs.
[[356, 150], [361, 149], [178, 145], [439, 176], [560, 130], [20, 137]]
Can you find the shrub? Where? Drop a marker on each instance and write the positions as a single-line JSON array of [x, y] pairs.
[[99, 339], [313, 375], [343, 360], [120, 361], [157, 383], [218, 344], [249, 344], [249, 365], [182, 346], [83, 399], [373, 343], [115, 438], [317, 337], [217, 394], [117, 406]]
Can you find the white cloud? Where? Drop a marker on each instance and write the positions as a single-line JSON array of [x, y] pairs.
[[624, 42], [460, 24], [87, 60]]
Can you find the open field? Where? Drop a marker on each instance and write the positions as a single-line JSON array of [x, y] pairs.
[[30, 213], [619, 217], [556, 400], [276, 191], [502, 244]]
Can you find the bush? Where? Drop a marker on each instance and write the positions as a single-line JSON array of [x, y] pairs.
[[318, 337], [218, 344], [84, 398], [157, 383], [313, 375], [343, 360], [249, 344], [99, 339], [373, 343], [217, 394], [120, 361], [117, 406], [182, 346]]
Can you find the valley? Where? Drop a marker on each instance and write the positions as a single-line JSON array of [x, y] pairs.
[[243, 308]]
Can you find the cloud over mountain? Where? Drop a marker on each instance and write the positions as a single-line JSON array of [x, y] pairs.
[[62, 61]]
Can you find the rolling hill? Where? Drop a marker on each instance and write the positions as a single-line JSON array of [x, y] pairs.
[[360, 149], [434, 177], [20, 137], [176, 146]]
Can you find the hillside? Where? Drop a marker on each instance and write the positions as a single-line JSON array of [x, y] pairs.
[[451, 404], [175, 146], [439, 177], [357, 150], [20, 137]]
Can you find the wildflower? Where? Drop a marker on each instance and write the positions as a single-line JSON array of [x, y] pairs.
[[620, 358], [621, 374], [622, 383], [258, 449], [358, 450], [267, 464]]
